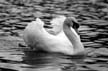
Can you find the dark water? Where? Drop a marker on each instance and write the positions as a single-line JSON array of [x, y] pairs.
[[93, 30], [37, 61]]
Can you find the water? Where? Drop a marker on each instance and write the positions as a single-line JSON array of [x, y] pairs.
[[15, 58], [37, 61], [93, 31], [94, 38]]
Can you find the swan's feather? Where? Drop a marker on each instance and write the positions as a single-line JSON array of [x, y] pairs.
[[36, 36]]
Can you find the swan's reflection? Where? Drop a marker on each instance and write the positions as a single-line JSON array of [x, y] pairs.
[[43, 59]]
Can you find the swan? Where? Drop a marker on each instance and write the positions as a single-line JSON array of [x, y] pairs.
[[66, 40]]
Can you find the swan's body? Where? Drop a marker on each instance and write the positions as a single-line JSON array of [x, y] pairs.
[[65, 41]]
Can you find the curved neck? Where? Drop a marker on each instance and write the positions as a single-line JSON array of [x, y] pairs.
[[75, 40]]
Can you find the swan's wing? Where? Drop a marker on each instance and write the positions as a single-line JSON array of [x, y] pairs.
[[55, 27], [32, 31], [56, 24]]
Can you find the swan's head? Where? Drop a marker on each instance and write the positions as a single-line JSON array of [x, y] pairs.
[[72, 23]]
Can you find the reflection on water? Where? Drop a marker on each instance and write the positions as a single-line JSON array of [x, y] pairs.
[[46, 60], [38, 61]]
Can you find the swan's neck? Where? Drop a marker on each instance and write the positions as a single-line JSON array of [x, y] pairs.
[[74, 39]]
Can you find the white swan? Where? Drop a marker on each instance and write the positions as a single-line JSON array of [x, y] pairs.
[[65, 41]]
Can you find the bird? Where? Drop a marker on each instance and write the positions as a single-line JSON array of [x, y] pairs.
[[65, 39]]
